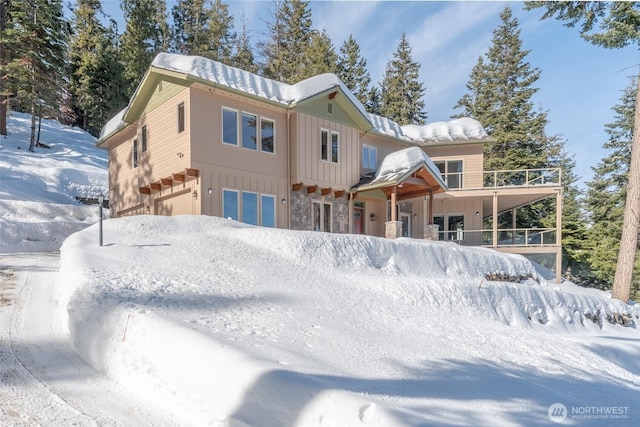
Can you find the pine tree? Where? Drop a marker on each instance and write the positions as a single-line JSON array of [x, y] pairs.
[[220, 34], [607, 192], [4, 94], [320, 58], [618, 27], [402, 92], [352, 70], [499, 96], [290, 36], [243, 57], [190, 24], [144, 37], [373, 101], [95, 78], [35, 39]]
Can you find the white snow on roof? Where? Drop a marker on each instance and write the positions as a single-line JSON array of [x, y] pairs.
[[288, 95], [223, 75], [456, 130], [399, 163], [113, 125]]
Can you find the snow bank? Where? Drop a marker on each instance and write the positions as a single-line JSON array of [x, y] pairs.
[[39, 191], [230, 324]]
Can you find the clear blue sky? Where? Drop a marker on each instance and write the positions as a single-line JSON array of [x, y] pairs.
[[580, 83]]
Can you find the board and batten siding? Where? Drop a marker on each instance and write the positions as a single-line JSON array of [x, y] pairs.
[[307, 166]]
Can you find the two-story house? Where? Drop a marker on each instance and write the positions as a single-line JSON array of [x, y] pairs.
[[199, 137]]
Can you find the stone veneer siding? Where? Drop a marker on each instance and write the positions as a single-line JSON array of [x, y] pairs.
[[301, 217]]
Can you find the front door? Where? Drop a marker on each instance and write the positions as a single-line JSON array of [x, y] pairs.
[[358, 224], [406, 224]]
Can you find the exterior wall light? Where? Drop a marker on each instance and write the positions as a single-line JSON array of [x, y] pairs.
[[284, 201], [210, 190]]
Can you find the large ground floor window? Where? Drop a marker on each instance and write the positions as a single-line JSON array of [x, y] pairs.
[[451, 226], [321, 216], [248, 207]]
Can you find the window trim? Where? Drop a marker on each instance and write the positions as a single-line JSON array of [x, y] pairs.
[[181, 117], [369, 148], [446, 173], [242, 193], [134, 154], [145, 141], [231, 110], [275, 210], [324, 154], [337, 152], [273, 123], [322, 220], [237, 192], [241, 134]]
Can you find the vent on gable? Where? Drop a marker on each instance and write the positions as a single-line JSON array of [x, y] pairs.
[[160, 86], [330, 108]]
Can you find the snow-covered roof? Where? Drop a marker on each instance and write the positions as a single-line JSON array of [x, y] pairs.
[[289, 96], [398, 165], [462, 129]]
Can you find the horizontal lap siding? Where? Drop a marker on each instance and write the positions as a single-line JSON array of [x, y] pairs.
[[471, 156], [234, 167]]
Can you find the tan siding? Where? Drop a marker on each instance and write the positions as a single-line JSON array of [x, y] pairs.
[[472, 160], [312, 169]]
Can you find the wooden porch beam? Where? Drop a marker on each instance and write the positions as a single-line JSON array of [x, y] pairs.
[[166, 182], [155, 186], [325, 191], [179, 177], [145, 190], [297, 186], [192, 173], [339, 193], [312, 189]]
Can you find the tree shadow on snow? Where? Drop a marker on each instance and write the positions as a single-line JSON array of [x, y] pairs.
[[521, 398]]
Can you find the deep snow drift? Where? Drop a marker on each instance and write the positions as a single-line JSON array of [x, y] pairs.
[[38, 205], [229, 324]]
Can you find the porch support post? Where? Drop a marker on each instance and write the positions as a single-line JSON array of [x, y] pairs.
[[559, 236], [393, 228], [430, 219], [495, 220], [394, 216]]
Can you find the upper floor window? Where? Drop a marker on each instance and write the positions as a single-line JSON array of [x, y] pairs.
[[267, 135], [181, 117], [229, 126], [369, 157], [451, 171], [329, 146], [144, 138], [249, 131], [255, 132], [134, 154]]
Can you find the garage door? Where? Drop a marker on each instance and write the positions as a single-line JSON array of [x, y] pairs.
[[176, 204]]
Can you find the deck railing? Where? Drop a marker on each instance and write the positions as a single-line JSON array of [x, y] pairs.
[[514, 237], [505, 178]]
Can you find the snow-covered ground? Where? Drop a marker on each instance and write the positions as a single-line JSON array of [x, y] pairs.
[[205, 321], [38, 206], [234, 325]]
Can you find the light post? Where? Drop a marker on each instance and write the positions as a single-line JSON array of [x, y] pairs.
[[100, 201]]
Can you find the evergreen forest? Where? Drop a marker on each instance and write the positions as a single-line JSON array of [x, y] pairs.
[[81, 69]]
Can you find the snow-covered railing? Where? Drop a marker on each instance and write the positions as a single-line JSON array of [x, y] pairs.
[[521, 237], [503, 178]]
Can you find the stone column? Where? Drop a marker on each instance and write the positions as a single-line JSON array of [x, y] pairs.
[[431, 231], [393, 229]]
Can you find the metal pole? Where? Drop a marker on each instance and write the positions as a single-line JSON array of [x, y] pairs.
[[100, 200]]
